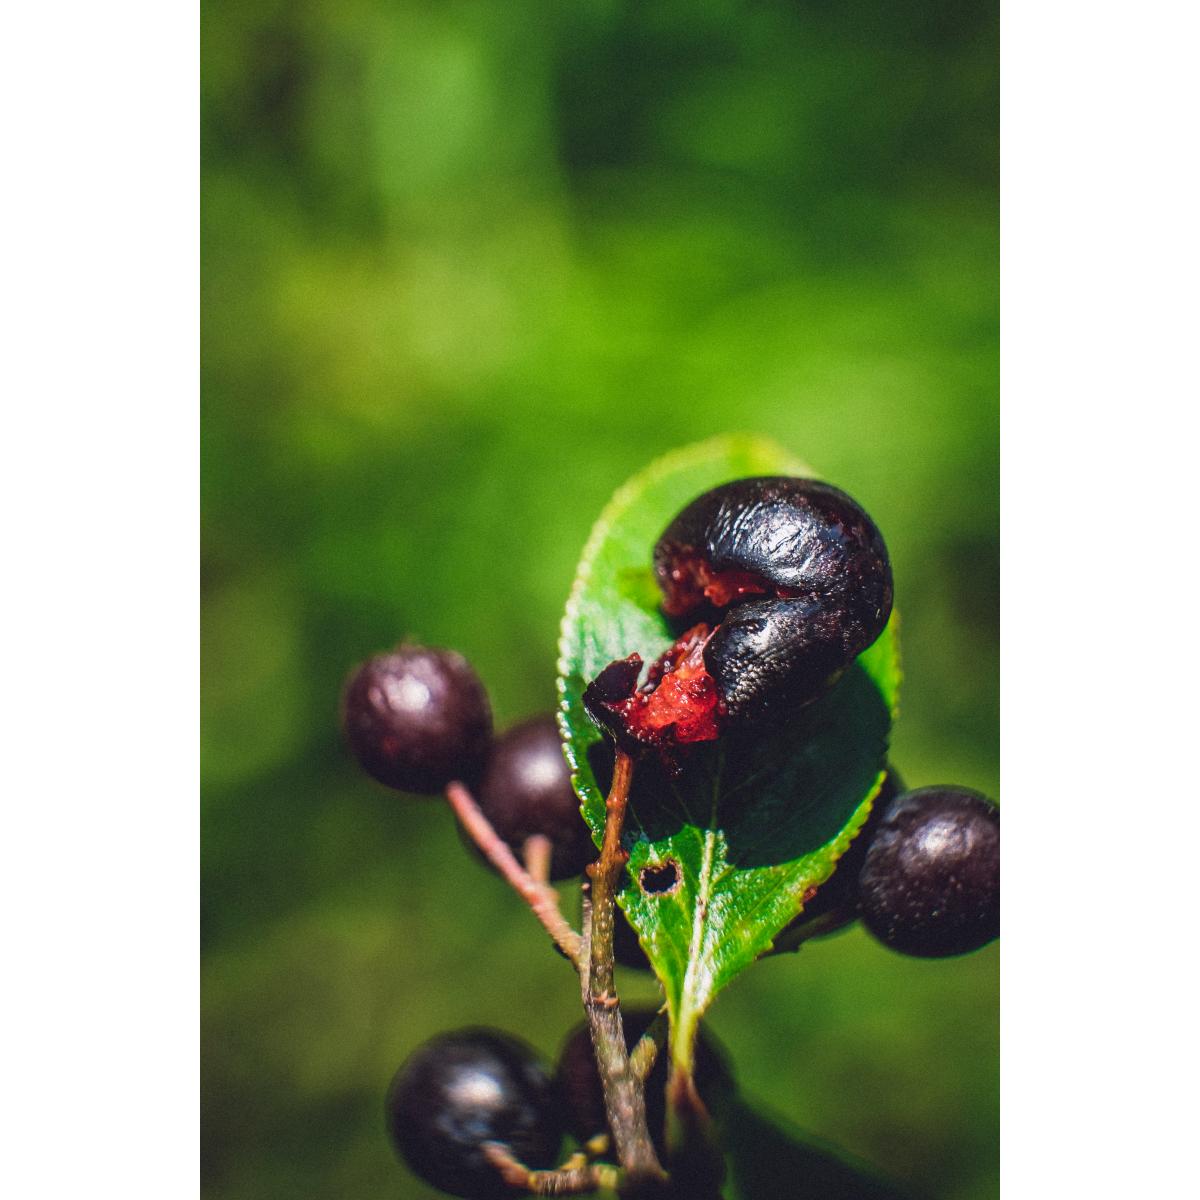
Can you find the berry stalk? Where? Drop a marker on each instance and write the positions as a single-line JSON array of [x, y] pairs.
[[624, 1098], [571, 1179], [537, 853], [541, 898]]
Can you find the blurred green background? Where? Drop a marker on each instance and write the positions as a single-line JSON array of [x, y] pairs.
[[466, 267]]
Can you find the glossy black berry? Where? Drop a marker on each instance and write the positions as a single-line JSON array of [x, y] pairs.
[[930, 882], [786, 581], [459, 1092], [526, 790], [579, 1084], [417, 718]]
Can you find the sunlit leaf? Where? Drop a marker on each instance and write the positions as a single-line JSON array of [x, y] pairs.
[[752, 824]]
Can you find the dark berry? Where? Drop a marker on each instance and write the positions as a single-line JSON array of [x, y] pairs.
[[627, 950], [526, 790], [579, 1084], [417, 718], [835, 904], [786, 581], [459, 1092], [930, 882]]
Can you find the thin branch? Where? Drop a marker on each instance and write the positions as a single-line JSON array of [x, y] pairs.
[[585, 942], [697, 1164], [573, 1178], [624, 1098], [540, 897], [537, 852]]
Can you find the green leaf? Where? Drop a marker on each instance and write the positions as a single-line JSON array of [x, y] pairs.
[[768, 1160], [750, 826]]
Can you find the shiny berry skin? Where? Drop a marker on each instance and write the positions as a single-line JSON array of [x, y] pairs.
[[526, 789], [930, 882], [462, 1090], [784, 581], [416, 718], [578, 1079]]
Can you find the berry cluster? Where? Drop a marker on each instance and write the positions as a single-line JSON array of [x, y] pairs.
[[777, 584], [469, 1108], [419, 719]]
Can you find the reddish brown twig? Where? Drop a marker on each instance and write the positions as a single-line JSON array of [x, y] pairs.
[[541, 898], [697, 1165], [537, 853], [571, 1179], [624, 1098]]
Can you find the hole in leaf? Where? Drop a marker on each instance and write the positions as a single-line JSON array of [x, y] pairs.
[[660, 879]]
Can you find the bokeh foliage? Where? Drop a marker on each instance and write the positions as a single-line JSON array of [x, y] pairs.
[[466, 267]]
